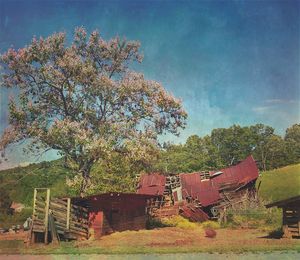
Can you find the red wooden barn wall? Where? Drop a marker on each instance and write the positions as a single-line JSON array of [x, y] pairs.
[[111, 212]]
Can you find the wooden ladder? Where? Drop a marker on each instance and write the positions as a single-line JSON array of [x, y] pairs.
[[40, 216]]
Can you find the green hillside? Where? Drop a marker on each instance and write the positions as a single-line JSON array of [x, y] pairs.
[[21, 181], [279, 184]]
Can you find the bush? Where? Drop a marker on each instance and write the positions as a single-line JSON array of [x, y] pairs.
[[210, 224], [155, 223], [6, 221], [178, 221], [254, 216]]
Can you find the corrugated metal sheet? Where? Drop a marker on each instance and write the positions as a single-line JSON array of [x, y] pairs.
[[193, 214], [152, 184], [238, 175], [203, 190]]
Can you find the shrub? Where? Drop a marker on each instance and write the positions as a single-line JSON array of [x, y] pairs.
[[210, 224], [6, 221], [254, 215], [155, 223], [178, 221]]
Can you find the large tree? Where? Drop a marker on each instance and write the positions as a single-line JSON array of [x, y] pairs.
[[84, 101]]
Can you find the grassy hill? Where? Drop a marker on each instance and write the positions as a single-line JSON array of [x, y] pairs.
[[280, 183], [21, 181]]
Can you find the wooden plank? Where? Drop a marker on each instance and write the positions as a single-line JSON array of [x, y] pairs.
[[61, 227], [34, 200], [80, 208], [41, 210], [54, 235], [57, 206], [39, 221], [60, 201], [285, 228], [68, 212], [79, 223], [60, 214], [84, 234], [47, 216], [63, 224], [40, 204]]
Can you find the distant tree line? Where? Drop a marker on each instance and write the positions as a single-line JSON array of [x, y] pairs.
[[227, 146]]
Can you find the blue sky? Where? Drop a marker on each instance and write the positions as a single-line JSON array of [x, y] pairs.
[[231, 62]]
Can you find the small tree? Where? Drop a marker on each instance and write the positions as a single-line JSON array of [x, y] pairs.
[[83, 100]]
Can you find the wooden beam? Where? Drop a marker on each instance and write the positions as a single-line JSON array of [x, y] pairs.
[[68, 212], [47, 216], [285, 227]]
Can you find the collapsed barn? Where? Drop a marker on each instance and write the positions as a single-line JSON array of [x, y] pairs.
[[197, 196], [200, 195]]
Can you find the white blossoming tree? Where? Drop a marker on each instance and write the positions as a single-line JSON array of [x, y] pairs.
[[84, 101]]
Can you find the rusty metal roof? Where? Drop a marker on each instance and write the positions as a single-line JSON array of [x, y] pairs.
[[238, 175], [203, 190], [152, 184]]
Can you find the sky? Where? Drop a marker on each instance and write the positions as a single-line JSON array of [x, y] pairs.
[[231, 62]]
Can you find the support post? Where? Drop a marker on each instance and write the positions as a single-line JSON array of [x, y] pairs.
[[47, 216], [68, 212], [285, 227], [32, 235], [34, 200], [298, 215]]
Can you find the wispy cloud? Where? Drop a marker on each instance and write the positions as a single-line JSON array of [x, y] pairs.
[[280, 101], [261, 109]]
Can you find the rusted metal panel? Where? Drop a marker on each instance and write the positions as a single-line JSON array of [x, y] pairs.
[[193, 213], [238, 175], [152, 184], [202, 190]]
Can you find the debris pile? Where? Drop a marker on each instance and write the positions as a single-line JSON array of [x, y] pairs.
[[200, 196]]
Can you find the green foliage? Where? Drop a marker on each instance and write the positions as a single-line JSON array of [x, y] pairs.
[[155, 223], [7, 220], [21, 181], [292, 139], [210, 224], [115, 175], [227, 146], [178, 221], [258, 218], [5, 200]]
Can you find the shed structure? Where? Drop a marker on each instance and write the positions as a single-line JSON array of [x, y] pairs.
[[110, 212], [290, 216]]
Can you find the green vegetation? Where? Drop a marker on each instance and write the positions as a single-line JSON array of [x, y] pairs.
[[6, 221], [180, 222], [21, 181], [258, 217], [227, 146], [280, 183]]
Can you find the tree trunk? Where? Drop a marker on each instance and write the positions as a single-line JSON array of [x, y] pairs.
[[86, 180]]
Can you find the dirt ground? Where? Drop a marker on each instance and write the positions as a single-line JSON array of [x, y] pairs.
[[164, 240], [190, 240]]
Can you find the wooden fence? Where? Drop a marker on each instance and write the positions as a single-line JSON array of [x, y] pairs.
[[57, 219]]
